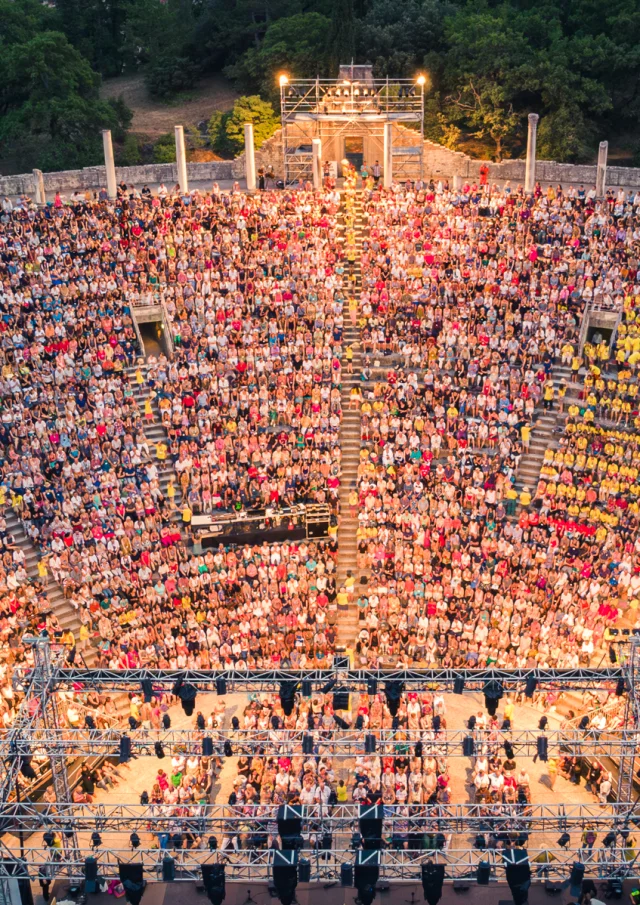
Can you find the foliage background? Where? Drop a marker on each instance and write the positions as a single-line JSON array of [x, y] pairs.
[[575, 62]]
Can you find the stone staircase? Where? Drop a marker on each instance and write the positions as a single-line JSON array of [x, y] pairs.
[[155, 433], [67, 615], [546, 433], [350, 446]]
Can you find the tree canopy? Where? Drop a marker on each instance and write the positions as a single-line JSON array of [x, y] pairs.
[[488, 62]]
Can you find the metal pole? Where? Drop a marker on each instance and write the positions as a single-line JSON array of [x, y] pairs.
[[388, 155], [422, 135], [284, 145]]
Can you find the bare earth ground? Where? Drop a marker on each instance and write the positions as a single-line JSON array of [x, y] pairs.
[[152, 117]]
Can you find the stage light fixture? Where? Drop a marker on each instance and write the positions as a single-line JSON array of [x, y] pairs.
[[432, 876], [221, 686], [283, 80], [134, 839], [159, 750], [96, 839]]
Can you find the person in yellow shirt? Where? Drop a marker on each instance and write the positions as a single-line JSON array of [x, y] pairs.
[[525, 497]]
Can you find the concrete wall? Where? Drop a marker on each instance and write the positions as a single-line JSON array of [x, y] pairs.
[[439, 163]]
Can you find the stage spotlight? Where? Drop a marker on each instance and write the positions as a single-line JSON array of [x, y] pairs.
[[134, 839], [285, 875], [542, 744], [620, 687], [49, 838], [213, 843], [96, 839], [421, 80], [393, 693], [483, 873], [432, 879], [356, 841], [26, 769], [288, 695], [576, 878], [228, 750], [564, 840], [366, 873], [304, 870], [125, 749], [131, 879], [508, 750], [166, 721], [458, 685], [214, 882], [289, 820], [609, 839], [493, 692], [283, 80], [159, 750], [90, 874], [221, 686], [370, 819]]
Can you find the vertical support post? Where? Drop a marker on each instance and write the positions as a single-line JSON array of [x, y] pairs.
[[530, 170], [109, 164], [249, 157], [627, 763], [457, 182], [316, 145], [388, 155], [422, 131], [601, 172], [38, 185], [181, 160]]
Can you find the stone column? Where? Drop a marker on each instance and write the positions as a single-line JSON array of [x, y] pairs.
[[388, 155], [109, 165], [457, 182], [316, 163], [601, 172], [530, 171], [38, 187], [181, 160], [249, 157]]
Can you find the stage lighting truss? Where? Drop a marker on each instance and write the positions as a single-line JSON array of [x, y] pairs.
[[37, 728], [460, 862], [339, 743]]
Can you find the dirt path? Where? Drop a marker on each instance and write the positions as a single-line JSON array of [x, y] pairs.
[[153, 117]]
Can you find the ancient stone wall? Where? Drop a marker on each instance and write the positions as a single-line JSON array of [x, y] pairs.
[[439, 163]]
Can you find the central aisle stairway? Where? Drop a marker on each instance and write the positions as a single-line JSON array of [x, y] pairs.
[[350, 428]]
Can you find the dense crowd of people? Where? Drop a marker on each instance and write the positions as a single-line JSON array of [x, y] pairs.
[[472, 295], [467, 299]]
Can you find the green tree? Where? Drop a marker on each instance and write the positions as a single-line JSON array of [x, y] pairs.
[[164, 150], [254, 110], [294, 45], [341, 40], [51, 110], [130, 155]]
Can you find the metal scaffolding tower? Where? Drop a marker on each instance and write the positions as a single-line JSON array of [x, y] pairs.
[[435, 831], [354, 107]]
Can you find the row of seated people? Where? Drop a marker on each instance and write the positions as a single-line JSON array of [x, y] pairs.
[[490, 290], [252, 287], [251, 403]]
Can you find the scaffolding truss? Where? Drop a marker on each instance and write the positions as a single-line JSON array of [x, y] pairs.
[[336, 743], [412, 834], [332, 110]]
